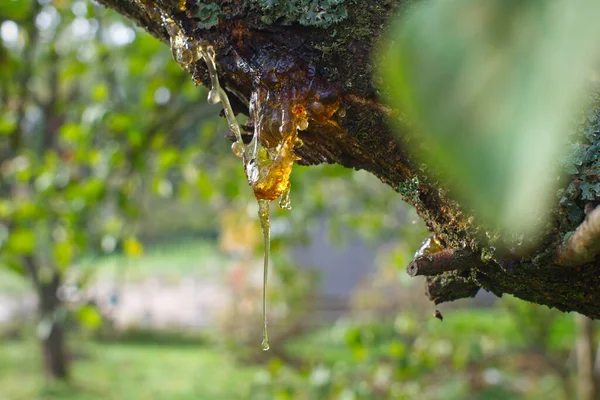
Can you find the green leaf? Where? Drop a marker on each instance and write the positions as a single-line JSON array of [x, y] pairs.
[[15, 9], [63, 253], [21, 241], [89, 316], [6, 208], [490, 88], [100, 92], [133, 248], [7, 125], [72, 133], [12, 263]]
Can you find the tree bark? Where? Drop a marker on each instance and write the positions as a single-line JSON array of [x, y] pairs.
[[256, 51], [52, 339], [53, 343]]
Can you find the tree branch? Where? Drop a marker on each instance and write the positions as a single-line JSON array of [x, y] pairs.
[[338, 61], [16, 137]]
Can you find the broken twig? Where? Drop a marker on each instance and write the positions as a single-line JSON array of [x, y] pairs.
[[583, 245]]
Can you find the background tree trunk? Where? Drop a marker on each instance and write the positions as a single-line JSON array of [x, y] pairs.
[[586, 378], [270, 47], [53, 343], [56, 363]]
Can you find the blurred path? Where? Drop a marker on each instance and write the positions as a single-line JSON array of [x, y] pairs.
[[154, 302]]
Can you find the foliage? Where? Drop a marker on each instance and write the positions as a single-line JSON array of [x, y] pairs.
[[77, 162], [491, 88], [473, 353]]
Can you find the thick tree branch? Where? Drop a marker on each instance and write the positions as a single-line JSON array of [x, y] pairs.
[[338, 62]]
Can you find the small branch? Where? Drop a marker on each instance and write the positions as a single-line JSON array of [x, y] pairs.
[[449, 287], [443, 261], [31, 267], [583, 245], [26, 72]]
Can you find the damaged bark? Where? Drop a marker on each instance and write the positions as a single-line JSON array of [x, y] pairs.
[[256, 47]]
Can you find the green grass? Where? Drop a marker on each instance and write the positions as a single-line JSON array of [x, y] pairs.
[[188, 257], [200, 258], [126, 372]]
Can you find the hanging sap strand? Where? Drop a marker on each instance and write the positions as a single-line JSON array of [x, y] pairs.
[[283, 100], [265, 224]]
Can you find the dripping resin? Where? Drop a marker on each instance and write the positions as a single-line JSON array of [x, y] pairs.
[[283, 101]]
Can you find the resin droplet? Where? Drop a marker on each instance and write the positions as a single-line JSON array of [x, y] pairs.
[[265, 224], [265, 344], [303, 124], [184, 56], [431, 245], [238, 149], [213, 96], [342, 112]]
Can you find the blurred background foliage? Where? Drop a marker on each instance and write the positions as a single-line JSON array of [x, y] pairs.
[[130, 251]]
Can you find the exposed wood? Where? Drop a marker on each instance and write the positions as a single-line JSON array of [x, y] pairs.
[[583, 245]]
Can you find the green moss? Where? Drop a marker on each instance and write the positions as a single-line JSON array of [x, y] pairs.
[[319, 13], [583, 162], [208, 14], [410, 190]]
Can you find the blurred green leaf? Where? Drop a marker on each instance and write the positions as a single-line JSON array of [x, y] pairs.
[[63, 253], [21, 241], [6, 208], [490, 88], [100, 92], [14, 9], [89, 316], [7, 125], [11, 262], [133, 248], [72, 133]]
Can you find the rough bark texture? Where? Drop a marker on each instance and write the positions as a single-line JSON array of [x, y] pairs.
[[253, 40]]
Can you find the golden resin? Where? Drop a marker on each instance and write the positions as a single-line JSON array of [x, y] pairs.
[[285, 99], [433, 244], [265, 224]]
